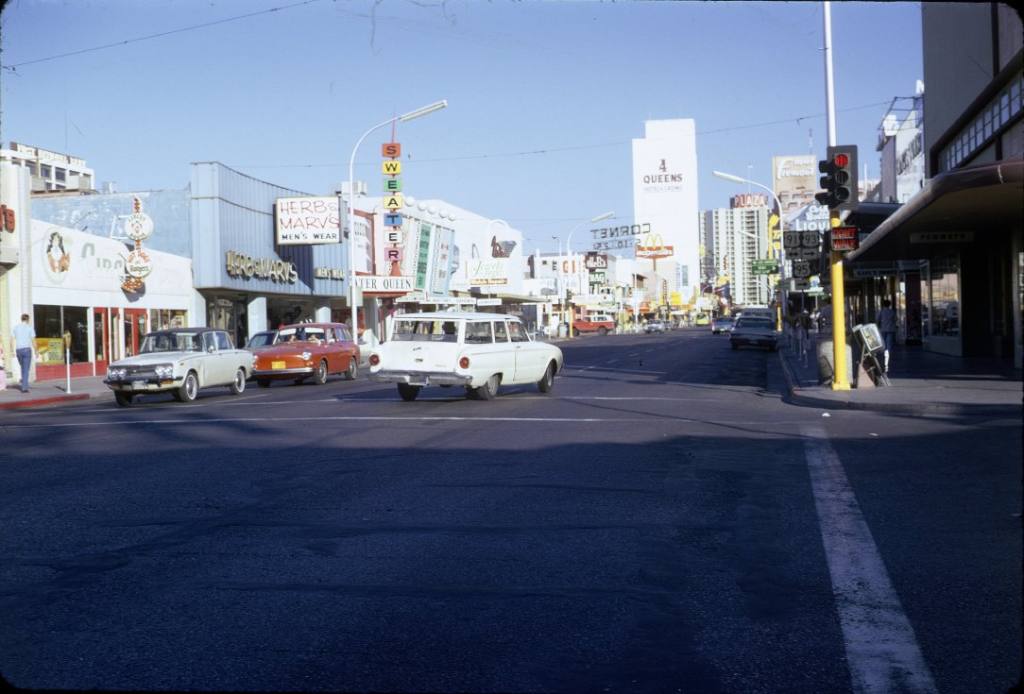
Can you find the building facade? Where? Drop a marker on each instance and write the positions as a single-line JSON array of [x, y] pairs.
[[52, 171], [665, 195], [962, 233], [901, 150], [739, 235]]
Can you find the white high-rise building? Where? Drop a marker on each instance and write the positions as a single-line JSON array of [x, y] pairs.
[[740, 235], [665, 196]]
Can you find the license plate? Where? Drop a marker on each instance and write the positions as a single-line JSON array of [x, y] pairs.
[[138, 384], [277, 365]]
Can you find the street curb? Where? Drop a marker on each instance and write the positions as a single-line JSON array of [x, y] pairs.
[[39, 402], [794, 396]]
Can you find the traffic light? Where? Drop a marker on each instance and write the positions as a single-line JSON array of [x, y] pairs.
[[839, 179]]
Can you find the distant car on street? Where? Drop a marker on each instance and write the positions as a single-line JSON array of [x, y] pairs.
[[654, 326], [755, 331], [180, 361], [722, 324], [599, 323]]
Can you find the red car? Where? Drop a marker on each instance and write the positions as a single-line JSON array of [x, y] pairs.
[[302, 351]]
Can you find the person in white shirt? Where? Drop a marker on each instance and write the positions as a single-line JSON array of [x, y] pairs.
[[24, 337]]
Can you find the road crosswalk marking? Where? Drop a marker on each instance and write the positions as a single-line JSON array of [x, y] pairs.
[[881, 647]]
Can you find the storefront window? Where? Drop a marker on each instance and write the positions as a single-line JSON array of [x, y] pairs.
[[51, 322], [945, 296], [166, 319]]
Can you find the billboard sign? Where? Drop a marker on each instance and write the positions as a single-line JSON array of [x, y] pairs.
[[665, 190], [795, 180], [307, 221]]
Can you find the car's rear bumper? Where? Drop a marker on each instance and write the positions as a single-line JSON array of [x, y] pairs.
[[754, 341], [422, 378]]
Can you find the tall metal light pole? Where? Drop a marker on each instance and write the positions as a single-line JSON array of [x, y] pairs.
[[405, 117], [782, 314], [568, 249], [840, 381]]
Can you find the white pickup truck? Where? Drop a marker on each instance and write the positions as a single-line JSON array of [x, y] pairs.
[[479, 351]]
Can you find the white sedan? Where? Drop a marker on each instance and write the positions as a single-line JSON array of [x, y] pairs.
[[180, 361], [479, 351]]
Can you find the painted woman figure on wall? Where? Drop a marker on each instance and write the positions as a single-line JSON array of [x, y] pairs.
[[56, 256]]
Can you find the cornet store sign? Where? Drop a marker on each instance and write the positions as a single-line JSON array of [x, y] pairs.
[[307, 221], [618, 238]]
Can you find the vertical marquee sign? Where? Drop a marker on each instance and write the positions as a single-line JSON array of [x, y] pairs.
[[137, 265], [392, 169]]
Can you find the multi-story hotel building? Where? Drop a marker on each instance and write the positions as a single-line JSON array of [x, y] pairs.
[[738, 236]]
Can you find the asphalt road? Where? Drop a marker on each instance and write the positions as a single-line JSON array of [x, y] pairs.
[[661, 522]]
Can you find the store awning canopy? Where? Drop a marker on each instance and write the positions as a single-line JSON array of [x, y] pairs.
[[954, 208]]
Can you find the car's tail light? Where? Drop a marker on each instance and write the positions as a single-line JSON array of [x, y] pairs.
[[464, 363], [374, 360]]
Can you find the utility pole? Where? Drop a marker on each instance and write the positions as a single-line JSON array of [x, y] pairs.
[[840, 381]]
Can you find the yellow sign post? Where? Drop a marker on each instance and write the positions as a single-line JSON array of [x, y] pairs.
[[840, 381]]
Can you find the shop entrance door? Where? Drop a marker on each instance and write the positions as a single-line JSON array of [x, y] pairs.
[[134, 329], [102, 339]]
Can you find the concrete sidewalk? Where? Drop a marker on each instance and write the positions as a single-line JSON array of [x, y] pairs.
[[921, 383], [45, 393]]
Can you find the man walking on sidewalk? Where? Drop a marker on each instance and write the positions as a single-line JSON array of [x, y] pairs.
[[887, 326], [24, 343]]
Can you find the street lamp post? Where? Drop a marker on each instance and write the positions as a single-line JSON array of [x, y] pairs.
[[568, 251], [405, 117], [783, 310]]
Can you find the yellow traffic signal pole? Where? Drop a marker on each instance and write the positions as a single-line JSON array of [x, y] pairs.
[[839, 377]]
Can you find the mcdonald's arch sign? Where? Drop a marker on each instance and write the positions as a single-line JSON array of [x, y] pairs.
[[653, 247]]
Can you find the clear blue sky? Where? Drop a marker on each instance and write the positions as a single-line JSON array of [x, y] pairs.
[[284, 95]]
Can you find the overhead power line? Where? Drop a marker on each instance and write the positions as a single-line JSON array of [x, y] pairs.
[[552, 150], [13, 67]]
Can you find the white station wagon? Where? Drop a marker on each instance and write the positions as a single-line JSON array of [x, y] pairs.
[[479, 351], [180, 361]]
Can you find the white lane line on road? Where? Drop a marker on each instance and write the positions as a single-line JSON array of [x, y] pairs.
[[881, 647], [224, 420], [625, 371]]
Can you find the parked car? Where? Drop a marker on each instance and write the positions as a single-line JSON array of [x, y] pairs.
[[654, 326], [722, 324], [478, 351], [264, 338], [304, 351], [595, 323], [180, 361], [755, 331]]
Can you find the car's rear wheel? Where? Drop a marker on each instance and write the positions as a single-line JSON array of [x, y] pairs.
[[263, 382], [602, 331], [238, 385], [408, 392], [320, 375], [489, 390], [353, 369], [189, 388], [547, 382], [123, 399]]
